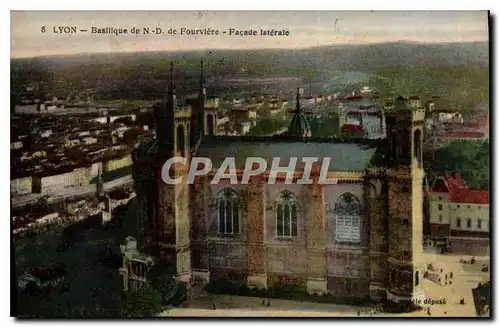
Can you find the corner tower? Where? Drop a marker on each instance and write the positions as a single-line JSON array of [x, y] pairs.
[[209, 107], [163, 208], [173, 199], [203, 113], [405, 175]]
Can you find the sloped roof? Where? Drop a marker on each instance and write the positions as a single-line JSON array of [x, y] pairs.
[[458, 191], [470, 196], [352, 128], [344, 156]]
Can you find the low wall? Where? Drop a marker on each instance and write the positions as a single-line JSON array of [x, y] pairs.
[[469, 246]]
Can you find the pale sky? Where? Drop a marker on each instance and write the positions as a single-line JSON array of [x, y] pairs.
[[307, 29]]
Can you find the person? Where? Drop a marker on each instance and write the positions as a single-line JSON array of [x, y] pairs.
[[213, 306], [451, 274], [428, 311], [268, 302], [462, 301]]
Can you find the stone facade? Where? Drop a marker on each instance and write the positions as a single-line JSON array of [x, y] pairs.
[[313, 259], [360, 236]]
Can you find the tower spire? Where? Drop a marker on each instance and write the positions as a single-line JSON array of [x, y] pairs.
[[172, 83], [299, 126], [171, 89], [100, 182], [202, 80], [297, 99]]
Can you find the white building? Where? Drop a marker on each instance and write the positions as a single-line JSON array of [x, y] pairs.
[[16, 145], [456, 117], [21, 186]]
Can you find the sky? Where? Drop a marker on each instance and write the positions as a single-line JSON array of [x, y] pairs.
[[306, 29]]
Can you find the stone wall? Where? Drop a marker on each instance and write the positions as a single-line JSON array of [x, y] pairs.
[[348, 287], [312, 260], [469, 246]]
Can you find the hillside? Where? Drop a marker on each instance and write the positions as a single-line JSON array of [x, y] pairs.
[[143, 74]]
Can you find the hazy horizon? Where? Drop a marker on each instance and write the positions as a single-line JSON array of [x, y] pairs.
[[308, 29]]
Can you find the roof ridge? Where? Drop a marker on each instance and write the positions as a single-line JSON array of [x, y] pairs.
[[292, 139]]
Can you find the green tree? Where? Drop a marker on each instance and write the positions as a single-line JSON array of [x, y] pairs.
[[470, 158], [163, 280], [146, 301]]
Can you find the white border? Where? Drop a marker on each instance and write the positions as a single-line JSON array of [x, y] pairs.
[[203, 5]]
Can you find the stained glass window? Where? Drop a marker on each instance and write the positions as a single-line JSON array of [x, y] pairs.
[[228, 213], [286, 215]]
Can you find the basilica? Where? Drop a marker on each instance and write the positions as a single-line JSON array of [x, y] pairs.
[[360, 236]]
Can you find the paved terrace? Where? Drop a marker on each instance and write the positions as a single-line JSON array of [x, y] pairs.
[[237, 306]]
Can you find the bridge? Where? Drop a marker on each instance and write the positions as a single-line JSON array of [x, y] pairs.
[[71, 193]]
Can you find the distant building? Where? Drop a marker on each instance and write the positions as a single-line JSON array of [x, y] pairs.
[[16, 145], [459, 217], [20, 186], [454, 117]]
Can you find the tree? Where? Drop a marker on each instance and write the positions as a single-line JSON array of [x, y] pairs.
[[146, 301], [470, 158], [163, 280]]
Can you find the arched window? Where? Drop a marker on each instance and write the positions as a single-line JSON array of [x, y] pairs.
[[458, 222], [228, 212], [181, 141], [479, 223], [210, 124], [417, 144], [469, 223], [286, 209], [348, 212], [394, 144], [417, 278]]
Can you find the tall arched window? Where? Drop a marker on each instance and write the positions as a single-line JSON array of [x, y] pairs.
[[405, 145], [286, 208], [181, 141], [469, 223], [417, 278], [228, 212], [210, 124], [348, 213], [417, 144], [394, 144]]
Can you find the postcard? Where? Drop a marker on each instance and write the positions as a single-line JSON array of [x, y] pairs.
[[250, 164]]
